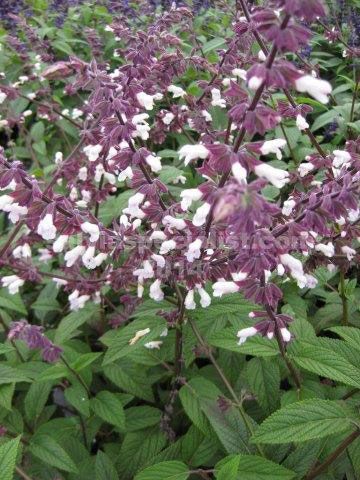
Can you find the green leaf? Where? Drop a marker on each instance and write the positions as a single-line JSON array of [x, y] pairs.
[[74, 320], [104, 468], [11, 375], [141, 417], [51, 453], [229, 469], [6, 395], [171, 470], [257, 345], [213, 44], [264, 380], [350, 334], [8, 454], [37, 131], [12, 302], [109, 408], [36, 399], [305, 420]]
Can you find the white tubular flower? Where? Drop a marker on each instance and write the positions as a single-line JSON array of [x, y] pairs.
[[60, 242], [59, 282], [168, 118], [328, 250], [239, 172], [99, 171], [261, 56], [15, 211], [305, 168], [245, 333], [154, 163], [206, 115], [239, 72], [127, 173], [5, 201], [22, 251], [317, 88], [301, 122], [72, 255], [158, 235], [139, 334], [13, 283], [173, 222], [139, 118], [275, 176], [58, 158], [133, 206], [201, 215], [167, 246], [76, 113], [239, 276], [217, 101], [273, 146], [188, 196], [286, 335], [222, 287], [142, 131], [145, 272], [88, 258], [349, 252], [255, 82], [177, 92], [155, 291], [45, 255], [192, 152], [92, 152], [311, 281], [341, 157], [2, 97], [295, 267], [194, 251], [353, 215], [205, 299], [46, 228], [82, 175], [92, 229], [189, 301], [77, 302], [147, 101], [159, 260], [156, 344], [288, 207]]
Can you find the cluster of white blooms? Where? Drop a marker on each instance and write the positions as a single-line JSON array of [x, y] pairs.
[[147, 101], [46, 228], [205, 298], [193, 152], [77, 301], [177, 92], [92, 152], [92, 229], [142, 128], [22, 251], [13, 283], [14, 210], [273, 146], [317, 88], [217, 101], [296, 271], [133, 208], [275, 176]]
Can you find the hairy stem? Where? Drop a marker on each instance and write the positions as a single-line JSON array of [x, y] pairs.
[[344, 301], [22, 474], [77, 375]]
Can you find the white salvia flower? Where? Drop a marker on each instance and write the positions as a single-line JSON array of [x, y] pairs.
[[77, 302], [296, 268], [273, 146], [92, 229], [133, 206], [27, 113], [99, 171], [5, 201], [2, 97], [72, 255], [159, 260], [13, 283], [155, 291], [60, 242], [112, 152], [142, 131], [239, 172], [192, 152], [145, 272], [173, 222], [275, 176], [245, 333], [305, 168], [255, 82], [206, 115], [45, 254], [31, 96], [201, 215], [205, 299], [154, 163], [188, 196], [58, 157], [222, 287], [261, 56], [164, 333], [93, 152], [22, 251], [15, 211], [156, 344], [353, 215], [239, 72], [108, 28], [136, 223], [328, 250], [288, 207], [59, 282], [189, 301], [88, 258], [179, 179], [239, 276], [23, 78], [340, 158], [147, 101], [10, 186], [317, 88], [349, 252], [127, 173], [139, 334], [167, 246], [286, 335], [311, 281], [193, 251], [46, 228], [301, 122], [124, 221], [82, 175], [168, 118], [139, 118], [217, 101], [158, 235], [77, 113], [177, 92]]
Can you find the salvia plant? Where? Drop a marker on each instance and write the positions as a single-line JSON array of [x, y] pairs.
[[180, 241]]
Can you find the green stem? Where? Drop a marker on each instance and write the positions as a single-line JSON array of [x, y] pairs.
[[345, 308]]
